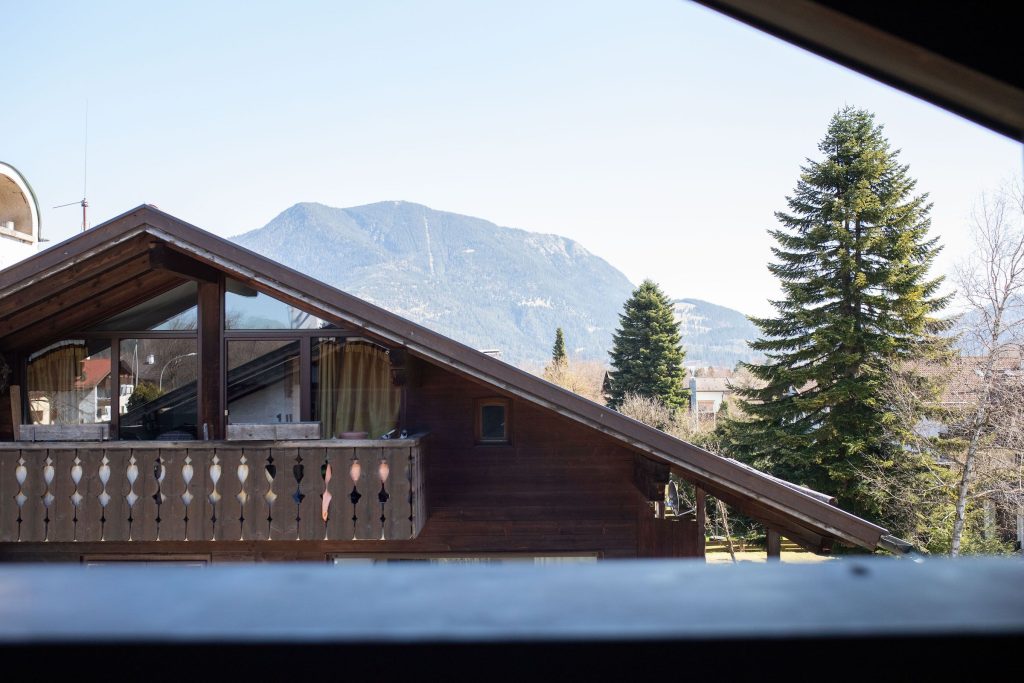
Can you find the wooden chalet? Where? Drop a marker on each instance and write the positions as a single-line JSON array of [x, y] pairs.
[[173, 396]]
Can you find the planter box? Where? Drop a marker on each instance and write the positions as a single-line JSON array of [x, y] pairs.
[[94, 432], [284, 431]]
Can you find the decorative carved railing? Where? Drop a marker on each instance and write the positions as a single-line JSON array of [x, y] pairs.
[[211, 491]]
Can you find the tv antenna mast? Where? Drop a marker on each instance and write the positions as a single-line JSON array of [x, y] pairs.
[[84, 202]]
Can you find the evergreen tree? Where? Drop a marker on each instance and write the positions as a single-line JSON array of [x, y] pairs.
[[647, 356], [558, 355], [852, 256]]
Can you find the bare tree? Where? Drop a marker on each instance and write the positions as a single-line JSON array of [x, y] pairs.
[[581, 377], [991, 283]]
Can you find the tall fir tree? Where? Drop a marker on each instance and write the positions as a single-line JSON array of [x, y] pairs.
[[852, 256], [647, 353], [558, 355]]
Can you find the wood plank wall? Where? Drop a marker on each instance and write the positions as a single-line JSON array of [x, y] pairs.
[[558, 487]]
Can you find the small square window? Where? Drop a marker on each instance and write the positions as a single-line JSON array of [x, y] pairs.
[[492, 421]]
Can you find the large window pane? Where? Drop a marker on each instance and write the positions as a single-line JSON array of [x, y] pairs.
[[69, 383], [247, 309], [173, 310], [263, 381], [158, 389], [353, 391]]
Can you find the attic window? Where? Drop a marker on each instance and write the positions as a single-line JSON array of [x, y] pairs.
[[492, 421], [248, 309], [174, 310]]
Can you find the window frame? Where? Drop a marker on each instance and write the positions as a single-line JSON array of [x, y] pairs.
[[479, 406]]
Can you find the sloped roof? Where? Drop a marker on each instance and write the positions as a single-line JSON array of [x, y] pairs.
[[118, 248]]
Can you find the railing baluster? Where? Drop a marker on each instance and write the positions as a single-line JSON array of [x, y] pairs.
[[186, 497], [20, 474], [132, 474], [269, 473], [214, 494], [76, 497], [243, 475], [48, 473], [325, 497], [104, 497]]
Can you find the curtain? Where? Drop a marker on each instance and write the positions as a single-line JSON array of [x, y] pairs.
[[54, 377], [356, 393]]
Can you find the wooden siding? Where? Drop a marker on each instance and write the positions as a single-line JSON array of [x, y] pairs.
[[558, 487]]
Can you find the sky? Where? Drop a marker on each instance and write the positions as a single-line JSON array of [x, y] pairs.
[[657, 133]]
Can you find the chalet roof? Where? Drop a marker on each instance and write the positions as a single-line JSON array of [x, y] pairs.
[[145, 252]]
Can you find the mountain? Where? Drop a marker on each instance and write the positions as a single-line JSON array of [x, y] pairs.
[[713, 335], [487, 286]]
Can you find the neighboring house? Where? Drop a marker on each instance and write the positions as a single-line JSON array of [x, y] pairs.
[[19, 217], [961, 384], [244, 430], [707, 394]]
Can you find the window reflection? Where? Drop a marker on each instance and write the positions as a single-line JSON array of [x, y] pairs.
[[69, 383], [173, 310], [158, 394], [263, 381], [247, 309]]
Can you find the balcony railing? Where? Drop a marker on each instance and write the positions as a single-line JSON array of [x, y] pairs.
[[211, 491]]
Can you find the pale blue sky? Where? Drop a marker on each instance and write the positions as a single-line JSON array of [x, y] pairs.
[[657, 133]]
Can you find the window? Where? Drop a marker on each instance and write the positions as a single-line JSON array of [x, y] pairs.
[[352, 388], [158, 389], [263, 381], [171, 311], [69, 383], [492, 421], [247, 309]]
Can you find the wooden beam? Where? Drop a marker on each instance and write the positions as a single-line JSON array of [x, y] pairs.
[[701, 518], [162, 257], [650, 477], [211, 369], [774, 542], [96, 266], [84, 291], [110, 301], [888, 58]]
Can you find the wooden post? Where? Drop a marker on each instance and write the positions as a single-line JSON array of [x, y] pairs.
[[774, 545], [211, 371], [701, 516], [16, 417]]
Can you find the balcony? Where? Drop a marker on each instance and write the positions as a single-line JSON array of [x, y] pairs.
[[143, 491]]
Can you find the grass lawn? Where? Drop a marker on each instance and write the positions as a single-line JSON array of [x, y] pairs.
[[718, 553]]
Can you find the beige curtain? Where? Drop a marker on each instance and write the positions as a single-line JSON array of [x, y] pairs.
[[53, 377], [356, 392]]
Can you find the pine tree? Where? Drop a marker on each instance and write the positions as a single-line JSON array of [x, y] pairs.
[[647, 355], [558, 355], [852, 255]]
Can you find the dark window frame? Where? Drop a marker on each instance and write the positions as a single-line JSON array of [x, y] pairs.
[[479, 406]]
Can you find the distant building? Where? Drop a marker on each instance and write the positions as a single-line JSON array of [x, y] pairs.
[[707, 394], [19, 217]]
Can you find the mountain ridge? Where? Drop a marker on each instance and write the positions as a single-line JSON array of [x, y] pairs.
[[486, 285]]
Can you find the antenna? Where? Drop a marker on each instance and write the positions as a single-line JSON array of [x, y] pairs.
[[84, 203]]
